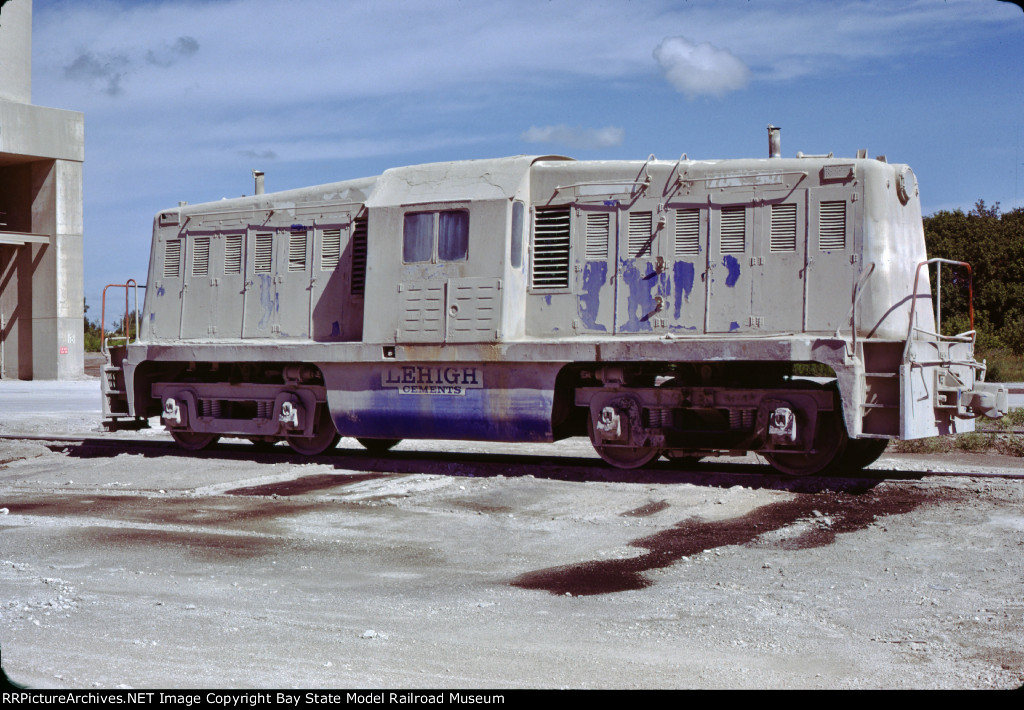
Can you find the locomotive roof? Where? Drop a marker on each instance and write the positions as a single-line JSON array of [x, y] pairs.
[[490, 179]]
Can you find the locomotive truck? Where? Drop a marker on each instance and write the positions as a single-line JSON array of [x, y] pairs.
[[659, 307]]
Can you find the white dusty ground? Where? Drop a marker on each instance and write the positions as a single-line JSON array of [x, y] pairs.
[[447, 564]]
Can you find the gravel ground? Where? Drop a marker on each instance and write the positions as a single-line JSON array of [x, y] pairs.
[[464, 565]]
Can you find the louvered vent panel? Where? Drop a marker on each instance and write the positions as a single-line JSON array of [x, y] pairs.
[[687, 232], [172, 259], [640, 234], [733, 232], [783, 236], [297, 251], [597, 237], [201, 256], [359, 228], [233, 254], [330, 249], [832, 226], [551, 248], [263, 257]]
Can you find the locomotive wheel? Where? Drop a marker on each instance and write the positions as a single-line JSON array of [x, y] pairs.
[[193, 440], [623, 456], [325, 435], [378, 446], [830, 442], [861, 453]]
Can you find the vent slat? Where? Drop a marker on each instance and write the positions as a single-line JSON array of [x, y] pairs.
[[233, 254], [201, 256], [832, 226], [551, 246], [330, 249], [172, 259], [687, 232], [264, 254], [733, 230], [640, 242], [597, 237], [783, 236], [297, 251], [359, 235]]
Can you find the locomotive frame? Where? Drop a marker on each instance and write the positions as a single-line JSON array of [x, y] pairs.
[[658, 307]]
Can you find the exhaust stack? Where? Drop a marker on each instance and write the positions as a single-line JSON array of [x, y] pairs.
[[258, 177], [774, 141]]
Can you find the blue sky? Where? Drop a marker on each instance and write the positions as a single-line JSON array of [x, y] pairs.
[[183, 98]]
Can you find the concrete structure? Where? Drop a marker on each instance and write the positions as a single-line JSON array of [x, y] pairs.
[[41, 154]]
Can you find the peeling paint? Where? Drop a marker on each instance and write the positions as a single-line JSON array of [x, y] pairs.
[[595, 274], [270, 302], [682, 274], [641, 290]]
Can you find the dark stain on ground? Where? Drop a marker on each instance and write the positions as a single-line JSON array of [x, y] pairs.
[[484, 508], [213, 511], [210, 547], [828, 513], [306, 484], [644, 510]]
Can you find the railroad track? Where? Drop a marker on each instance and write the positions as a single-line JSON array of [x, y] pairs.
[[556, 464]]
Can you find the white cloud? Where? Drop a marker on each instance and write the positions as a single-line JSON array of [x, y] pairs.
[[575, 136], [697, 69]]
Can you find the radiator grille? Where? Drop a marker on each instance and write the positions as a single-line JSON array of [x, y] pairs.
[[551, 239]]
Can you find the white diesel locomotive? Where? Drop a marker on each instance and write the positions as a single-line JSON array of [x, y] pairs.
[[658, 307]]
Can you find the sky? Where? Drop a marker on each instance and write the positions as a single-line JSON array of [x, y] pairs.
[[184, 98]]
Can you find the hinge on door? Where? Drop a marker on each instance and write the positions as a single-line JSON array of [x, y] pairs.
[[756, 321]]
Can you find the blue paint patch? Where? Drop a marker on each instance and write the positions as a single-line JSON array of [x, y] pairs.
[[734, 326], [152, 317], [611, 203], [298, 227], [270, 300], [734, 270], [595, 274], [160, 291], [547, 299], [642, 289], [683, 275], [335, 329]]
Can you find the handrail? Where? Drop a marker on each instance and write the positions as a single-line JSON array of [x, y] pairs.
[[858, 290], [131, 283], [938, 303]]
